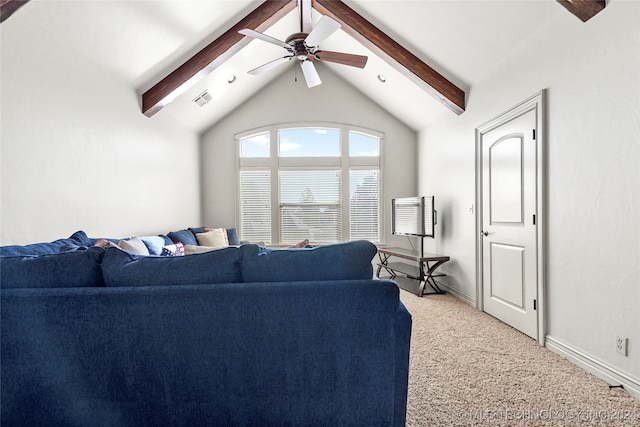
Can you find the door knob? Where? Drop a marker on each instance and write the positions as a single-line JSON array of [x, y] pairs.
[[484, 233]]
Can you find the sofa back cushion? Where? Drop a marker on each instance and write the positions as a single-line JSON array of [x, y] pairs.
[[63, 270], [79, 238], [123, 269], [340, 261]]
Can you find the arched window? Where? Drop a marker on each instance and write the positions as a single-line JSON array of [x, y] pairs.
[[314, 182]]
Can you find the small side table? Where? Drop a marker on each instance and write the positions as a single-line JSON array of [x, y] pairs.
[[423, 270]]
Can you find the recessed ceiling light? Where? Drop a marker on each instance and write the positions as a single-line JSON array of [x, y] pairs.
[[231, 79], [382, 78]]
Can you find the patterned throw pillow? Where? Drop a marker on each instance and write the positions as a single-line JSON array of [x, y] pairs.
[[177, 249]]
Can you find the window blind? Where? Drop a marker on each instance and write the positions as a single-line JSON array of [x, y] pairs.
[[310, 206], [255, 206], [364, 205]]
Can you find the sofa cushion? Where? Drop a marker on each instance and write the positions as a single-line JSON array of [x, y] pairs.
[[135, 245], [349, 260], [79, 238], [185, 237], [123, 269], [63, 270]]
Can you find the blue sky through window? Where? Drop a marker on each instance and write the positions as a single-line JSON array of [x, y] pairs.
[[361, 145], [309, 142], [256, 146]]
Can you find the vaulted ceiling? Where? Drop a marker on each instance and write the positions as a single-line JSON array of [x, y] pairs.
[[429, 53], [269, 12]]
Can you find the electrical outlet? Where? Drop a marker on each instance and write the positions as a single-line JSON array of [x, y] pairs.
[[621, 345]]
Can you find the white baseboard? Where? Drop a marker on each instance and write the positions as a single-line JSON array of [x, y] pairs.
[[469, 299], [598, 368], [587, 362]]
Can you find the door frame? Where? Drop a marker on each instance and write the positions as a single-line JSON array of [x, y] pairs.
[[536, 103]]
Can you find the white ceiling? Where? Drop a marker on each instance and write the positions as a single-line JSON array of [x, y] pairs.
[[143, 41]]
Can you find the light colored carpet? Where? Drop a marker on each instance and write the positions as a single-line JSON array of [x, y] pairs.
[[468, 368]]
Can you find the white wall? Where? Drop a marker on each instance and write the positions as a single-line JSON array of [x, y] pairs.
[[77, 153], [592, 74], [285, 101]]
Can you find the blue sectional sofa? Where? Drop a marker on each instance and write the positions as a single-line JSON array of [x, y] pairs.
[[237, 336]]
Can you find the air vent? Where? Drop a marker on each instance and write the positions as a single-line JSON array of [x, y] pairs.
[[203, 98]]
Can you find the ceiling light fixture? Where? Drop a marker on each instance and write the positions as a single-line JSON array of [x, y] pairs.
[[382, 78]]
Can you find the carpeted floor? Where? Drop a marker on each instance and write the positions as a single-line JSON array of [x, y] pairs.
[[467, 368]]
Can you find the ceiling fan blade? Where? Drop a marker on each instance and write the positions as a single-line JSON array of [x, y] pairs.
[[269, 65], [264, 37], [342, 58], [323, 29], [310, 74]]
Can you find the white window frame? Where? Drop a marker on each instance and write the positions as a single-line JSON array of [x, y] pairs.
[[345, 163]]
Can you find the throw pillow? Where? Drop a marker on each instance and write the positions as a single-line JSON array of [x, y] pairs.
[[166, 239], [190, 250], [196, 230], [232, 235], [135, 245], [213, 237], [185, 237], [173, 250], [123, 269], [154, 244], [64, 270]]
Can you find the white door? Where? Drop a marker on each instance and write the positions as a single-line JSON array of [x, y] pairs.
[[508, 231]]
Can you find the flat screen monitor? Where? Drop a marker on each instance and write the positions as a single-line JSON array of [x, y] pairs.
[[413, 216]]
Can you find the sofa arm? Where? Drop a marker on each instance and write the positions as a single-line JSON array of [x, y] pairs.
[[403, 326]]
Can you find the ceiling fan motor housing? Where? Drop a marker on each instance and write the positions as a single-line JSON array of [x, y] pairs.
[[299, 47]]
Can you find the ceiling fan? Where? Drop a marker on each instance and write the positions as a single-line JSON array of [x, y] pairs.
[[304, 48]]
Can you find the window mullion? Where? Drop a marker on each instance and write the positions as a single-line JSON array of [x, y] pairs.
[[346, 217], [275, 188]]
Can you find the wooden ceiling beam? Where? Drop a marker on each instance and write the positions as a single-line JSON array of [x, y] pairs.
[[393, 53], [306, 24], [584, 9], [213, 55], [8, 7]]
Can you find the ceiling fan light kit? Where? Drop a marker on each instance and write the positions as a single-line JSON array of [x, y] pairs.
[[304, 48]]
